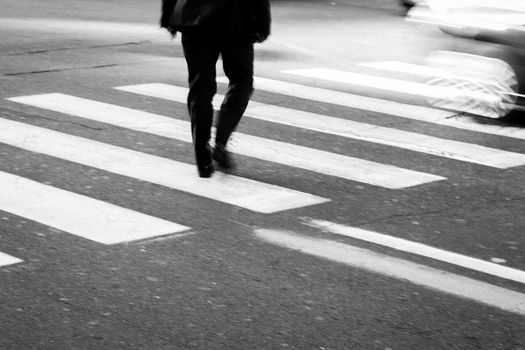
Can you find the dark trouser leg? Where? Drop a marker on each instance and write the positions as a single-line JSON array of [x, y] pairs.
[[201, 55], [238, 65]]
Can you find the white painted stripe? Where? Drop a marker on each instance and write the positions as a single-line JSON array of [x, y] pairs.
[[297, 156], [424, 71], [361, 131], [8, 259], [71, 25], [234, 190], [406, 68], [421, 275], [421, 249], [77, 214], [425, 114], [275, 151], [389, 84]]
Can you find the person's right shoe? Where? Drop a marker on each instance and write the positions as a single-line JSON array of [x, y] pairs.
[[223, 158], [204, 161], [206, 171]]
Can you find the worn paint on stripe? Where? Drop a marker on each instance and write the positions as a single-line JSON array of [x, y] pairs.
[[78, 214], [389, 84], [233, 190], [423, 71], [420, 113], [466, 152], [421, 249], [421, 275], [301, 157], [8, 259], [83, 26], [407, 68]]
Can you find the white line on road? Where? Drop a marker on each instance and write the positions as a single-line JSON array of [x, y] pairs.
[[421, 275], [389, 84], [425, 114], [77, 214], [430, 72], [302, 157], [269, 150], [245, 193], [8, 259], [361, 131], [420, 249], [403, 67], [81, 26]]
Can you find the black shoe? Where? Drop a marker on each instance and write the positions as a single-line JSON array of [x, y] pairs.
[[206, 171], [223, 158]]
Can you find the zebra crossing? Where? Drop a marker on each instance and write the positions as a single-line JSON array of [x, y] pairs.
[[107, 223], [265, 149], [77, 214], [355, 130], [398, 85], [383, 107]]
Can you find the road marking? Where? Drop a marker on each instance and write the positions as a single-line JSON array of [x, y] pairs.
[[420, 249], [269, 150], [361, 131], [407, 68], [389, 84], [431, 72], [475, 97], [426, 71], [421, 275], [8, 259], [425, 114], [77, 214], [323, 162], [245, 193], [81, 26]]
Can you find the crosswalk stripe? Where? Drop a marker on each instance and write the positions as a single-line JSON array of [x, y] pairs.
[[361, 131], [423, 71], [413, 112], [70, 25], [389, 84], [270, 150], [420, 249], [245, 193], [404, 67], [405, 270], [78, 214], [433, 72], [8, 259]]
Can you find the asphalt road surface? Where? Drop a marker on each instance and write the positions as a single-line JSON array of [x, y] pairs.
[[360, 217]]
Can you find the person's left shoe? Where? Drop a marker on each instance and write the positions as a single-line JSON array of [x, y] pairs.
[[223, 158]]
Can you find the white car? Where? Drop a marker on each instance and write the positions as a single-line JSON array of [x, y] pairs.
[[487, 62]]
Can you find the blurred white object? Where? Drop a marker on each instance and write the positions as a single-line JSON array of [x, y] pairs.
[[488, 82], [470, 17], [478, 85]]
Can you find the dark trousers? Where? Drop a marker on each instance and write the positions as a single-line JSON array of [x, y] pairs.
[[202, 48]]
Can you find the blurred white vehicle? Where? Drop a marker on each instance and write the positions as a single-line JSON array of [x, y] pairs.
[[485, 78]]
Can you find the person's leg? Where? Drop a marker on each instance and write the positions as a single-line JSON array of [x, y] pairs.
[[201, 53], [237, 60]]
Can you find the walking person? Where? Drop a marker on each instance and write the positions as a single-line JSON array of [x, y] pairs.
[[213, 28]]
